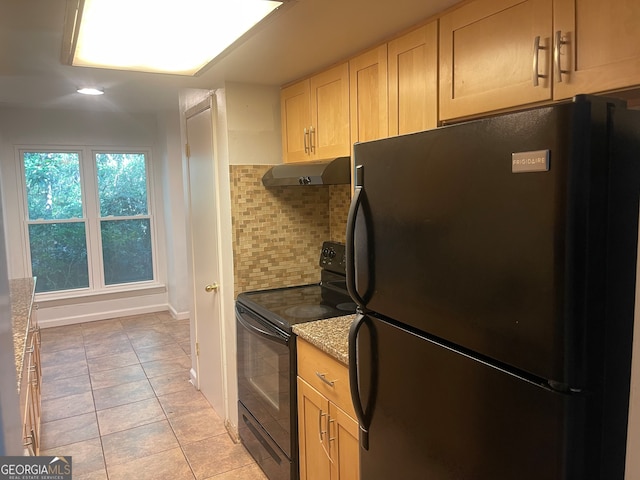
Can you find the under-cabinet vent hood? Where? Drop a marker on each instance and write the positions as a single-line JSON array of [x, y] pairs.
[[324, 172]]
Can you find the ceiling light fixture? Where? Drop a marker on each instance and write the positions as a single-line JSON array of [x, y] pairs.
[[179, 37], [90, 91]]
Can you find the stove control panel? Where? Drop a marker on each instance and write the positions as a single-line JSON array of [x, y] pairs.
[[333, 257]]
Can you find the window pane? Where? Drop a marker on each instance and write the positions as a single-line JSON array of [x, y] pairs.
[[126, 251], [53, 185], [59, 256], [122, 184]]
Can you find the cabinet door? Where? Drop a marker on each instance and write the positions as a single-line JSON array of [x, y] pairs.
[[413, 81], [31, 407], [345, 445], [368, 95], [313, 422], [330, 113], [36, 380], [600, 47], [487, 56], [296, 117]]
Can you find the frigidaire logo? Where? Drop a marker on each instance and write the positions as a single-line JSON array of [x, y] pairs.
[[537, 161], [35, 468], [530, 161]]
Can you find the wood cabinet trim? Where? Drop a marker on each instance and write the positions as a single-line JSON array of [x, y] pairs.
[[292, 125], [613, 73], [426, 104], [517, 87], [312, 360], [375, 58]]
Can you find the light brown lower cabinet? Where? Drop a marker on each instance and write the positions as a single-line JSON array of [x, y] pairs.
[[328, 433], [30, 397]]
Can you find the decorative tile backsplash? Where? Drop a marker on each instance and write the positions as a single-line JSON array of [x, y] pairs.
[[278, 231], [339, 201]]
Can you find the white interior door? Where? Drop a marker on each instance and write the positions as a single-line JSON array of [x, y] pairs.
[[203, 214]]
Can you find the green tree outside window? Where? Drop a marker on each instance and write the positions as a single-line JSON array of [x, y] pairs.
[[61, 253]]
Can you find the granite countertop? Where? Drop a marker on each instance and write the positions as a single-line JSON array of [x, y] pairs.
[[21, 291], [331, 335]]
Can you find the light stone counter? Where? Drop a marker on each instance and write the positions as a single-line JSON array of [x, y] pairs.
[[330, 335], [21, 291]]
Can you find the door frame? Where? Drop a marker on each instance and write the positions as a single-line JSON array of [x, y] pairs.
[[215, 102], [201, 108]]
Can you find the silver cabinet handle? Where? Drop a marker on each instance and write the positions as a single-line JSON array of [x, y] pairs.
[[557, 45], [320, 431], [312, 134], [536, 61], [331, 421], [323, 377], [306, 140]]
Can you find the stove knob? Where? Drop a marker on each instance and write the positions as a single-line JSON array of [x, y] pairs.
[[332, 253]]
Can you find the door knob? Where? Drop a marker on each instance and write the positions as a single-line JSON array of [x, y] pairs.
[[212, 287]]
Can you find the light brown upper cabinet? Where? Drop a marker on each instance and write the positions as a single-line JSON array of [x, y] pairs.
[[599, 52], [315, 116], [413, 81], [495, 54], [368, 95]]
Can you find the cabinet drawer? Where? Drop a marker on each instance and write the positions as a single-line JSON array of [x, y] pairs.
[[313, 364]]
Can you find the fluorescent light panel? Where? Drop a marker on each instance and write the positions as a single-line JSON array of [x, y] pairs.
[[178, 37]]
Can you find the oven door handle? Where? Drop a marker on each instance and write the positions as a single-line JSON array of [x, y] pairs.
[[254, 327]]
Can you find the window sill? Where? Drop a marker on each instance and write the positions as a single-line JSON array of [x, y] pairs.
[[88, 296]]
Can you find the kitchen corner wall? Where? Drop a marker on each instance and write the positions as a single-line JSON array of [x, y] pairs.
[[339, 201], [278, 232]]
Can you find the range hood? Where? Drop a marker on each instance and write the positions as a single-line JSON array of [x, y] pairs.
[[323, 172]]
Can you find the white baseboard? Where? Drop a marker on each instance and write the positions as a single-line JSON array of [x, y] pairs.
[[178, 315], [93, 317], [193, 378], [232, 430]]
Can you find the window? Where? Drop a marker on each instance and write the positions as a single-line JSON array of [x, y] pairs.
[[125, 225], [89, 223]]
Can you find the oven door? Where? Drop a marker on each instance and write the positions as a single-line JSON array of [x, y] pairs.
[[264, 375]]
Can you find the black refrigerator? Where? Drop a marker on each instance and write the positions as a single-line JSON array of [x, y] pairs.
[[493, 263]]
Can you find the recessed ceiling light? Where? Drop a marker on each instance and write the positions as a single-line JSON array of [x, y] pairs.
[[90, 91], [179, 36]]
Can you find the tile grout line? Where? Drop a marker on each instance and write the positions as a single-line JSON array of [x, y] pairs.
[[95, 408]]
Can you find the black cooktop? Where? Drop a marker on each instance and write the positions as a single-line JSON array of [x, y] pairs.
[[300, 304]]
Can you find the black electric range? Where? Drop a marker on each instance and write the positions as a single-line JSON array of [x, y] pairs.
[[266, 352], [288, 306]]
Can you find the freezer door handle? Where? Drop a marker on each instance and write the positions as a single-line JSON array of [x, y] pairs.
[[363, 412], [356, 203]]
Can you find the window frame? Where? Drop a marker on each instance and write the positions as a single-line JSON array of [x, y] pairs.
[[91, 218]]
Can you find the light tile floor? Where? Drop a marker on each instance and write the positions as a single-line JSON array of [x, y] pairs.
[[116, 398]]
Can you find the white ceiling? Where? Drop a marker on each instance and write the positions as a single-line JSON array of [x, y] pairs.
[[305, 37]]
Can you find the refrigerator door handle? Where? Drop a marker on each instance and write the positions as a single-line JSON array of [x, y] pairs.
[[350, 239], [363, 415]]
